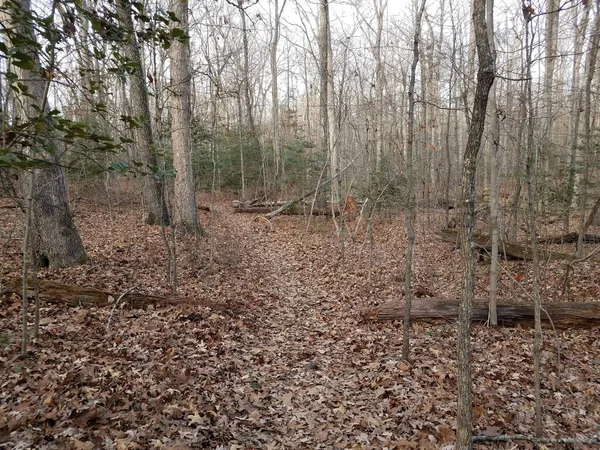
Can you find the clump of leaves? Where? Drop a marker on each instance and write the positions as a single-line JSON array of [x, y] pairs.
[[4, 340]]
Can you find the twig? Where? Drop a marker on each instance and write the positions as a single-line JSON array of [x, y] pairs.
[[571, 269], [127, 291]]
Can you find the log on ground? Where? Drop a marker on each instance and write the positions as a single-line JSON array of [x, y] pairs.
[[72, 295], [570, 238], [295, 210], [505, 249], [563, 315]]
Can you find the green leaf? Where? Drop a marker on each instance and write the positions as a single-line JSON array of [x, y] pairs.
[[22, 61]]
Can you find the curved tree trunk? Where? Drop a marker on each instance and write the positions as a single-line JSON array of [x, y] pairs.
[[485, 79]]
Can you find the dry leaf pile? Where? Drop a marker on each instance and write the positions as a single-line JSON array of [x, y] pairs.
[[288, 362]]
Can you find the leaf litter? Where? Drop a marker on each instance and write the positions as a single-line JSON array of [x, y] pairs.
[[288, 361]]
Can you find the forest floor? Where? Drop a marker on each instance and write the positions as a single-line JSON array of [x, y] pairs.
[[289, 361]]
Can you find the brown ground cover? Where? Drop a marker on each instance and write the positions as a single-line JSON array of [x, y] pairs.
[[289, 360]]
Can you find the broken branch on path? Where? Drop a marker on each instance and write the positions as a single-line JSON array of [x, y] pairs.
[[563, 315]]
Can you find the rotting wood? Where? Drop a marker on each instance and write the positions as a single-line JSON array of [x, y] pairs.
[[72, 295], [505, 249], [563, 315]]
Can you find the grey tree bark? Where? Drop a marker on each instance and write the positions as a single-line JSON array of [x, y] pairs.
[[153, 187], [279, 168], [185, 213], [56, 241], [590, 68], [323, 76], [575, 116], [494, 127], [485, 79]]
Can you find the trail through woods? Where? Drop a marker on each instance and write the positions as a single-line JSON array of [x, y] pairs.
[[288, 362]]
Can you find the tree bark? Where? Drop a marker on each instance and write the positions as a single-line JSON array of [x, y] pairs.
[[324, 79], [563, 315], [279, 168], [494, 188], [575, 116], [185, 214], [591, 60], [76, 296], [56, 241], [485, 79], [410, 186], [153, 189]]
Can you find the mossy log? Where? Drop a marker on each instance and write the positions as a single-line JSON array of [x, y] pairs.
[[562, 315]]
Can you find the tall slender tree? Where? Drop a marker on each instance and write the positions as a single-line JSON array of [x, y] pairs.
[[410, 185]]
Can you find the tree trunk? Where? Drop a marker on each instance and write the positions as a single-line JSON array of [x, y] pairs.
[[410, 186], [494, 127], [581, 31], [323, 76], [279, 169], [185, 214], [153, 190], [485, 79], [587, 150], [247, 95], [56, 241], [532, 174]]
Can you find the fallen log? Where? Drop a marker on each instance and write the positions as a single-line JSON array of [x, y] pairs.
[[505, 249], [72, 295], [570, 238], [253, 209], [292, 211], [256, 202], [563, 315]]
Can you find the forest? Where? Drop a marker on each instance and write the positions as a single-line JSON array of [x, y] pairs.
[[292, 224]]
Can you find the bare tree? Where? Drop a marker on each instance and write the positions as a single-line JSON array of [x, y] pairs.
[[279, 168], [485, 79], [410, 186], [532, 171]]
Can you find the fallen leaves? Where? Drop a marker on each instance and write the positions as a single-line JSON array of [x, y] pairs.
[[283, 360]]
